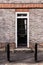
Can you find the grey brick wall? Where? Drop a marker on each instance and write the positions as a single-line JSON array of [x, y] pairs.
[[7, 20], [36, 25], [7, 25], [21, 1]]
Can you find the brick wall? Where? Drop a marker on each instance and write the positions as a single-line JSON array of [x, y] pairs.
[[36, 25], [21, 1], [7, 27]]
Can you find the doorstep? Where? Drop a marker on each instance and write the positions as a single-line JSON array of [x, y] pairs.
[[23, 49]]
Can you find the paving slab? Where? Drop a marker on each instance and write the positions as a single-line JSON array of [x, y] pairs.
[[21, 58]]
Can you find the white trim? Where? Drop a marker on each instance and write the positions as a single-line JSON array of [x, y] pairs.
[[16, 29], [22, 17], [28, 30], [27, 26], [22, 12]]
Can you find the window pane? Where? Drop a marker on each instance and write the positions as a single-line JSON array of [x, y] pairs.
[[21, 14]]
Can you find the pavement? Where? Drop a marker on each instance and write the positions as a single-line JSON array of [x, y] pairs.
[[21, 58]]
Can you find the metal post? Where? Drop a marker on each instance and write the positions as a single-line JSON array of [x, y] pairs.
[[8, 52], [35, 52]]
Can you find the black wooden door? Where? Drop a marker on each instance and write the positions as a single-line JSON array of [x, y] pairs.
[[22, 32]]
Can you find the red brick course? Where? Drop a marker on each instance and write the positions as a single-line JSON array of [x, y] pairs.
[[23, 5]]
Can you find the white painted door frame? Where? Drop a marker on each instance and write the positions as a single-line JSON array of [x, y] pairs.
[[27, 26]]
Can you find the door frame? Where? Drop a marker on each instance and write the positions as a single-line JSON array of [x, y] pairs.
[[27, 26]]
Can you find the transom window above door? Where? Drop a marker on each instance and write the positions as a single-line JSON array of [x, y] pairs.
[[21, 14]]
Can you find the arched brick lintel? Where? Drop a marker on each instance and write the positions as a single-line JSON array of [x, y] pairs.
[[22, 10]]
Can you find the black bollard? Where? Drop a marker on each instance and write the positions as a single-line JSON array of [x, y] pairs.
[[35, 52], [8, 52]]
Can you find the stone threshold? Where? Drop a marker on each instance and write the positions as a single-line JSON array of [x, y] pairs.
[[23, 49]]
